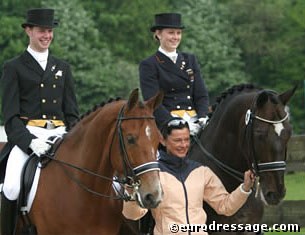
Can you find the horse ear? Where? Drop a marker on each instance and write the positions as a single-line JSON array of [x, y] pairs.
[[155, 101], [285, 97], [133, 99], [262, 99]]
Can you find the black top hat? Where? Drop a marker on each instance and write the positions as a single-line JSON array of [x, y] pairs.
[[167, 20], [40, 17]]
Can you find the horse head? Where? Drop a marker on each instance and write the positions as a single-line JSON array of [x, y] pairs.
[[270, 132], [137, 143]]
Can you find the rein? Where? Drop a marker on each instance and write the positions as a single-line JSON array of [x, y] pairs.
[[231, 171], [257, 167], [83, 186], [130, 173]]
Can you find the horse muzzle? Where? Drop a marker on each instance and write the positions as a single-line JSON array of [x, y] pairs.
[[147, 189]]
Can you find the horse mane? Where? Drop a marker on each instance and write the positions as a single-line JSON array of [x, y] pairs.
[[95, 107], [231, 91]]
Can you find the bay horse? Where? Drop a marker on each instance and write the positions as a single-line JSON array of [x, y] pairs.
[[115, 142], [248, 129]]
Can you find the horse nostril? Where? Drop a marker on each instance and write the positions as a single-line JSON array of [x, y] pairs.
[[274, 198], [150, 201]]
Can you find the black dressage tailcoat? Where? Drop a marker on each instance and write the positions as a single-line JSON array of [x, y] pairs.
[[29, 92], [181, 82]]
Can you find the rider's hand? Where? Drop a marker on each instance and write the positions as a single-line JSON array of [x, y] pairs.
[[39, 146], [203, 121], [194, 128]]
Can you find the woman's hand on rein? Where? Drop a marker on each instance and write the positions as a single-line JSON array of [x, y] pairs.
[[249, 179]]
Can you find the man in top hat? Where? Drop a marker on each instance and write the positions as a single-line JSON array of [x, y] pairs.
[[38, 101], [176, 73]]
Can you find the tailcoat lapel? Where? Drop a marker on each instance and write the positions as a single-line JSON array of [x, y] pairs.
[[31, 63], [169, 66]]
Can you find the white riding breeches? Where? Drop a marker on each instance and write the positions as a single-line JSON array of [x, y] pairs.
[[17, 159]]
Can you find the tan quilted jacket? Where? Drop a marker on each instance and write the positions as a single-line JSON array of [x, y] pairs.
[[186, 186]]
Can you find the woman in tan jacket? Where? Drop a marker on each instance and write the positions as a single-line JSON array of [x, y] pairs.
[[186, 184]]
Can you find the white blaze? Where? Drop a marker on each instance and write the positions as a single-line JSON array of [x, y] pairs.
[[278, 128], [148, 132]]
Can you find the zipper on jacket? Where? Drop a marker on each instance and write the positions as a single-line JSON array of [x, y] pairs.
[[186, 202]]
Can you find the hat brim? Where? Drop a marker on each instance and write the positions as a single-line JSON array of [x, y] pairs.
[[54, 25], [155, 27]]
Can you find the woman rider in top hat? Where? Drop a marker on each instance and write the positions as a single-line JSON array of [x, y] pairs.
[[38, 101], [176, 73]]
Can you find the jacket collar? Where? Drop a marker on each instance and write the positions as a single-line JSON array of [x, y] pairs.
[[167, 64], [173, 161], [178, 167], [32, 64]]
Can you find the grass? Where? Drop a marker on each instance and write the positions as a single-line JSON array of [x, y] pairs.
[[295, 186], [302, 232]]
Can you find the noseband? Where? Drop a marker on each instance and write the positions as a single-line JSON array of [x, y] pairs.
[[257, 167]]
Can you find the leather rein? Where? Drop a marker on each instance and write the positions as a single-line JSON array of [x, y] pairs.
[[130, 173], [256, 167]]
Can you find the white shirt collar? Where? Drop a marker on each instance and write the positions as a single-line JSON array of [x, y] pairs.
[[172, 55], [40, 57]]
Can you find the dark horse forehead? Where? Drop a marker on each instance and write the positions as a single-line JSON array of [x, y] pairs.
[[266, 95]]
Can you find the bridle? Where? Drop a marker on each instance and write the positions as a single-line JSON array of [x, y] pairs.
[[267, 166], [131, 174], [256, 167]]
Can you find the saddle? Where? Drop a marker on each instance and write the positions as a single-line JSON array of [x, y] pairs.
[[27, 179]]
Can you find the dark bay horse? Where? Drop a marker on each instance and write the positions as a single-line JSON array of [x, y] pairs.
[[75, 193], [249, 129]]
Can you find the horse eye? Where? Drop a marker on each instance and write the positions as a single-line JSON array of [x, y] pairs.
[[131, 139]]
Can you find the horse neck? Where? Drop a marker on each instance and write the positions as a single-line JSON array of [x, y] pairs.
[[226, 131], [90, 141]]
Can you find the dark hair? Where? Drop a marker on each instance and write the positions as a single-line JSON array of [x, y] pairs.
[[172, 124]]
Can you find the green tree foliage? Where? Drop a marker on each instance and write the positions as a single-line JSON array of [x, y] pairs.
[[271, 35], [125, 25], [98, 74], [209, 35], [236, 41]]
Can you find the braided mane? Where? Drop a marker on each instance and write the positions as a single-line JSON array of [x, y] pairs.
[[95, 107], [230, 91]]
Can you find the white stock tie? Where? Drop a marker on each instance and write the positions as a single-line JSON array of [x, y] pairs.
[[174, 58]]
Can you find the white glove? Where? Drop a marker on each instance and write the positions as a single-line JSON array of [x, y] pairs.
[[39, 147], [203, 121], [194, 128]]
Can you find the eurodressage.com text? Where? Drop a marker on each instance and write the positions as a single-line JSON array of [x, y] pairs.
[[214, 227]]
